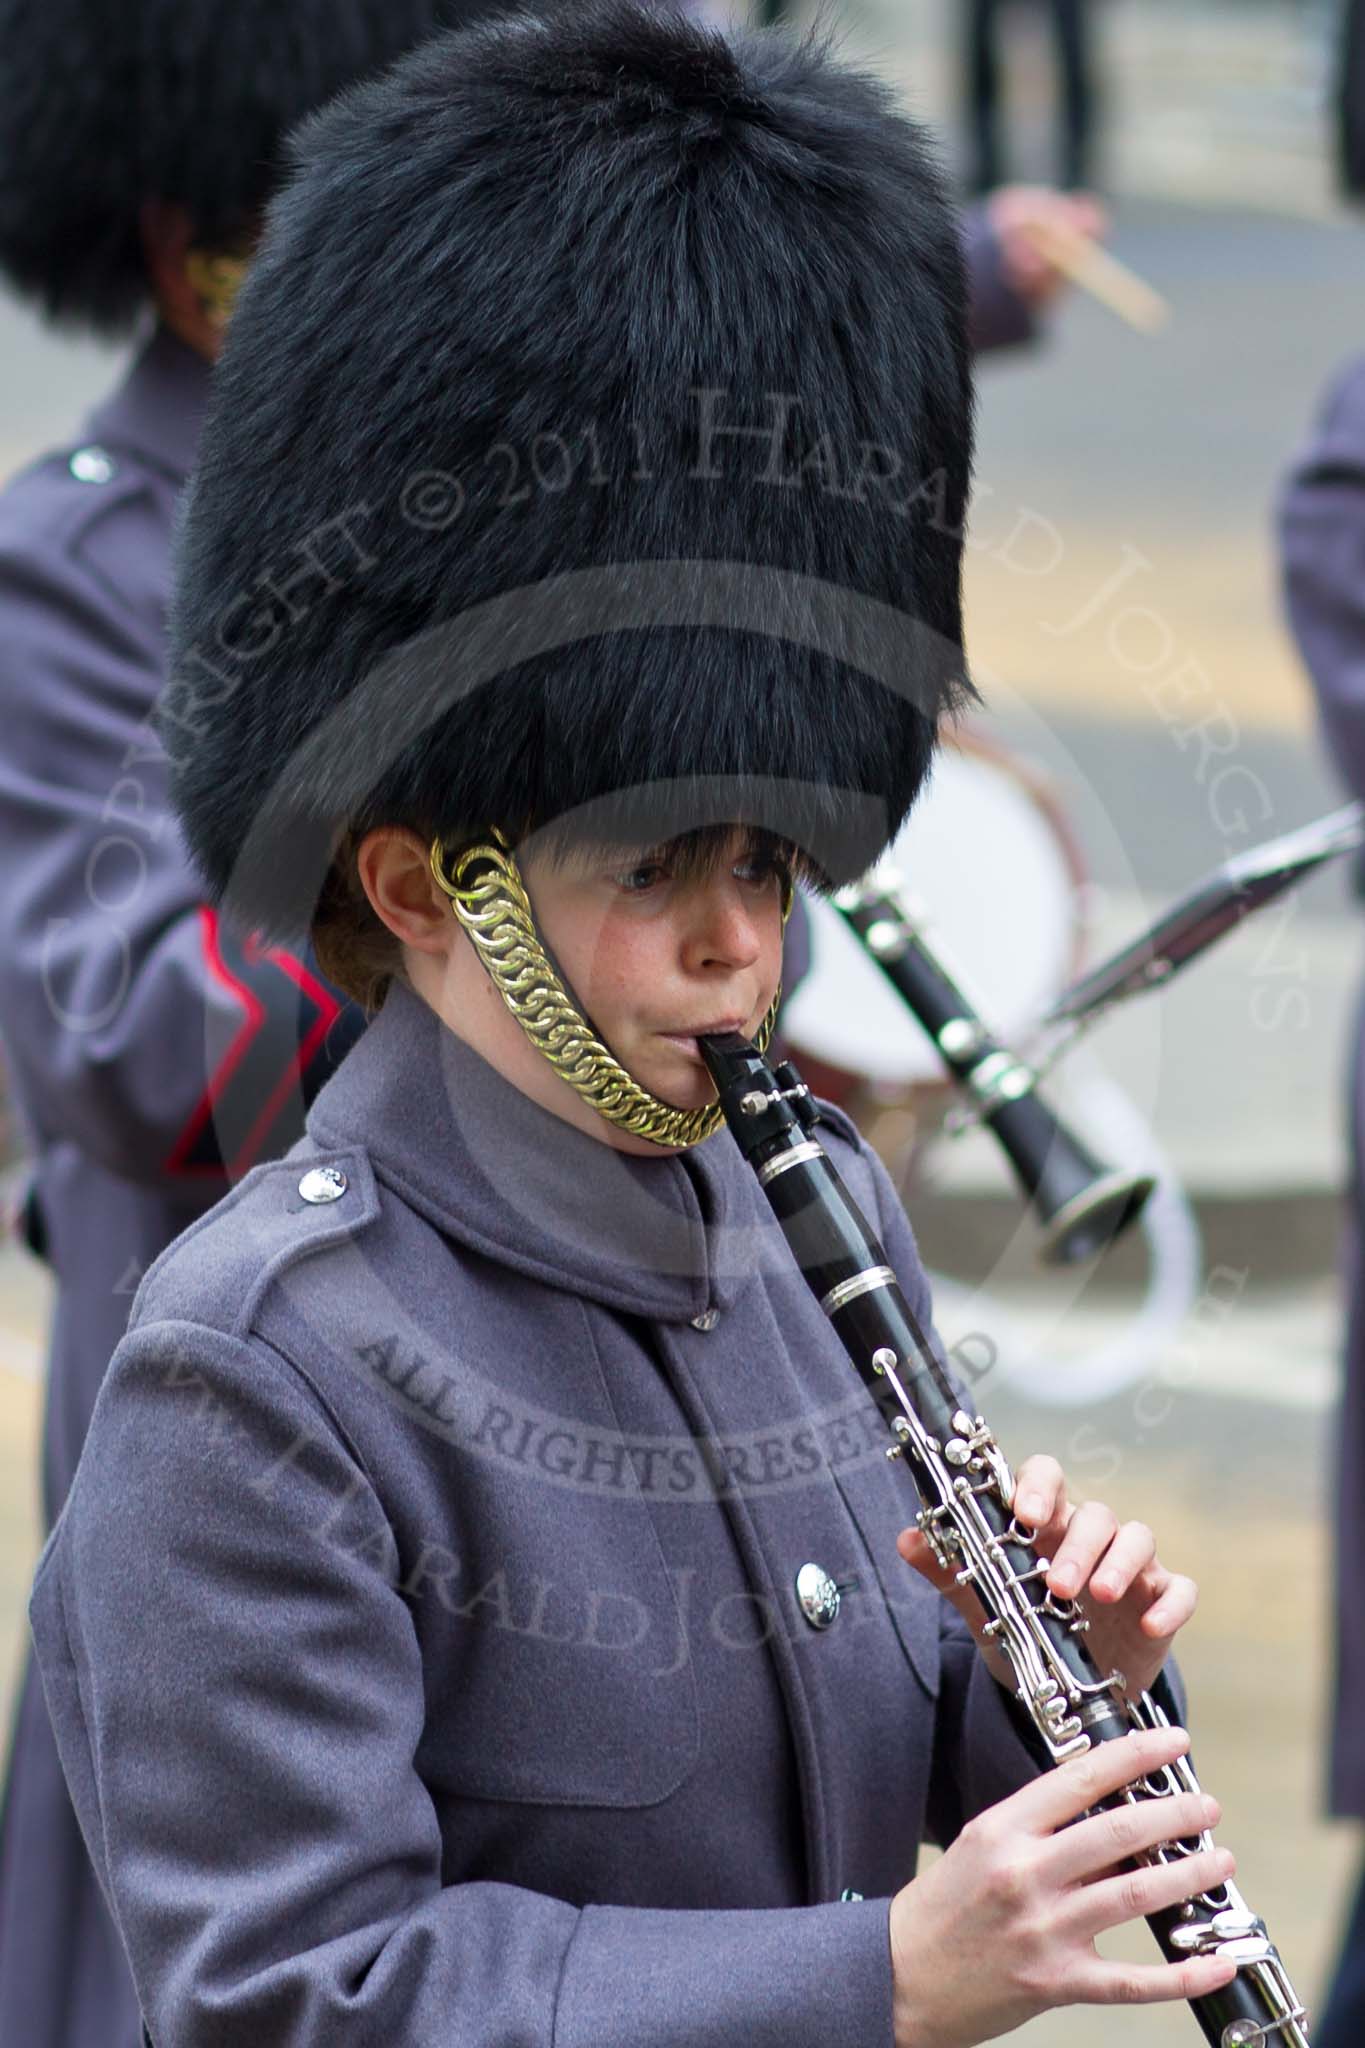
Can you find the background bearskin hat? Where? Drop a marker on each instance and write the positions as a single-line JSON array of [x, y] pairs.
[[593, 428], [105, 104]]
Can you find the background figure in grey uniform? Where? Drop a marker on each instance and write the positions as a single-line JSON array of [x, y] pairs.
[[1322, 547], [982, 68], [1322, 538], [154, 1054]]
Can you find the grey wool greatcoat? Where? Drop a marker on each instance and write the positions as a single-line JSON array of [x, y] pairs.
[[1322, 542], [420, 1634], [153, 1053]]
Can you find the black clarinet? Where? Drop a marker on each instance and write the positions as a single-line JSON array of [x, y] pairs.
[[966, 1489], [1083, 1204]]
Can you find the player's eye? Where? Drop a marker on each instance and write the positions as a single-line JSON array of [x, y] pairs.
[[647, 875], [760, 868]]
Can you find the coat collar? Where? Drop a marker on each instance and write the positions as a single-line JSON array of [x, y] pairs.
[[668, 1238], [158, 410]]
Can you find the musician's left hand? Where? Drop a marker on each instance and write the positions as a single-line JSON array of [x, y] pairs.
[[1134, 1605]]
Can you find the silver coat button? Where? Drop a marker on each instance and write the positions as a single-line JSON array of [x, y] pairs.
[[92, 466], [817, 1595], [707, 1320], [323, 1184]]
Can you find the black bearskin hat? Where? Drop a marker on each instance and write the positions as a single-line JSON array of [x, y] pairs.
[[105, 104], [593, 430]]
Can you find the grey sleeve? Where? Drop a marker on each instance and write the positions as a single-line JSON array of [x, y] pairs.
[[1321, 521], [238, 1699], [141, 1029], [997, 316]]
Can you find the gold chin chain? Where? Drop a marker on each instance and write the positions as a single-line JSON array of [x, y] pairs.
[[489, 897]]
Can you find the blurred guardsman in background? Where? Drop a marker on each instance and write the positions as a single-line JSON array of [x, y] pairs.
[[1322, 540], [154, 1053], [1322, 553]]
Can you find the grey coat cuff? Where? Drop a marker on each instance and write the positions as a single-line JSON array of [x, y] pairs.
[[805, 1977]]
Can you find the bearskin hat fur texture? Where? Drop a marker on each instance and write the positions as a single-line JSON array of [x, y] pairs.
[[105, 104], [593, 431]]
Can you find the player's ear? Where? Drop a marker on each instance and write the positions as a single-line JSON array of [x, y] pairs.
[[395, 872]]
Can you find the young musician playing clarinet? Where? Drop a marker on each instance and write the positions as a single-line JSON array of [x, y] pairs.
[[478, 1613]]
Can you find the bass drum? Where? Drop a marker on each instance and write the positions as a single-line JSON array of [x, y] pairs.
[[988, 861]]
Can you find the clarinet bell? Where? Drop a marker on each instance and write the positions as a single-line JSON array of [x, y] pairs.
[[1088, 1223], [1082, 1204]]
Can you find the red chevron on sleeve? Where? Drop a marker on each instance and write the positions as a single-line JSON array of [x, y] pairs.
[[252, 1108]]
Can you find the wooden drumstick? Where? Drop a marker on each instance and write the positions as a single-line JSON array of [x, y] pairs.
[[1094, 270]]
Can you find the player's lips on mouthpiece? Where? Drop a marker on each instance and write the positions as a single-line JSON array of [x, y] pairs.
[[688, 1039]]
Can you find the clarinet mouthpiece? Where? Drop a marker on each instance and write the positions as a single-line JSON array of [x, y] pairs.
[[759, 1105]]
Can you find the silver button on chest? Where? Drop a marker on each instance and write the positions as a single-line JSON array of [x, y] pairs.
[[817, 1595], [323, 1184], [707, 1320], [93, 466]]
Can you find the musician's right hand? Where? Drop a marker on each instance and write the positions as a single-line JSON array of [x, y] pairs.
[[1003, 1927], [1022, 217]]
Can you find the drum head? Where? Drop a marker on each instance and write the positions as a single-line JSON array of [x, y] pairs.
[[990, 873]]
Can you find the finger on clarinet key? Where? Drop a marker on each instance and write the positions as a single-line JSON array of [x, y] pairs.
[[1129, 1556], [1134, 1894], [1073, 1788], [1103, 1841], [1039, 1492], [1089, 1535]]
